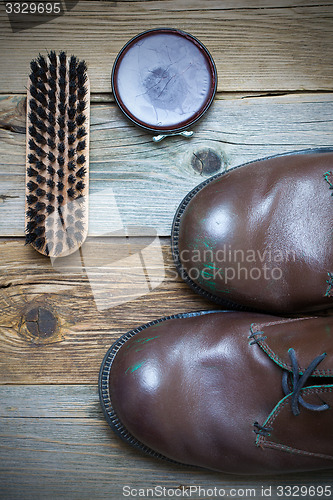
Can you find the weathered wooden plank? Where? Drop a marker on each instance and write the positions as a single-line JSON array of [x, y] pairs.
[[50, 401], [85, 302], [131, 177], [55, 443], [256, 45]]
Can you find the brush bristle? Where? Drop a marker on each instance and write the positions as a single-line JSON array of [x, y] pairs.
[[56, 160]]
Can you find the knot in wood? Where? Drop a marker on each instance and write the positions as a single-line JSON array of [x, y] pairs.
[[206, 161], [41, 323]]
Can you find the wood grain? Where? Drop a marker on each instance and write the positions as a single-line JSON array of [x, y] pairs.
[[257, 45], [55, 439], [135, 182], [59, 317], [95, 296], [85, 302]]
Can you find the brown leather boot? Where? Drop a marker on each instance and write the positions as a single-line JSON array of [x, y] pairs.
[[236, 392], [260, 236]]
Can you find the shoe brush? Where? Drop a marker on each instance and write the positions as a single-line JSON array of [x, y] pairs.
[[57, 160]]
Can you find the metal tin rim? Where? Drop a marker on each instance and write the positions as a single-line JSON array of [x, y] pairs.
[[196, 117]]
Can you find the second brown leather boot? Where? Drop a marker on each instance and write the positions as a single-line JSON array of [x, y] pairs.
[[231, 391], [260, 236]]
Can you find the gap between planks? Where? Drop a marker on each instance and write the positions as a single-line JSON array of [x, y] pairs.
[[275, 48]]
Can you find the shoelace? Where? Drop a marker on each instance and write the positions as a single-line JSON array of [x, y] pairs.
[[299, 382]]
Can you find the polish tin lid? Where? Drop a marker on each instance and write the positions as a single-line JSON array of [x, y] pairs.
[[164, 80]]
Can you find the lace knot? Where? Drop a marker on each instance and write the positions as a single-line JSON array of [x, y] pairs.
[[298, 382], [261, 430]]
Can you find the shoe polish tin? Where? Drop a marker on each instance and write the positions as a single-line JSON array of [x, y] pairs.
[[164, 80]]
